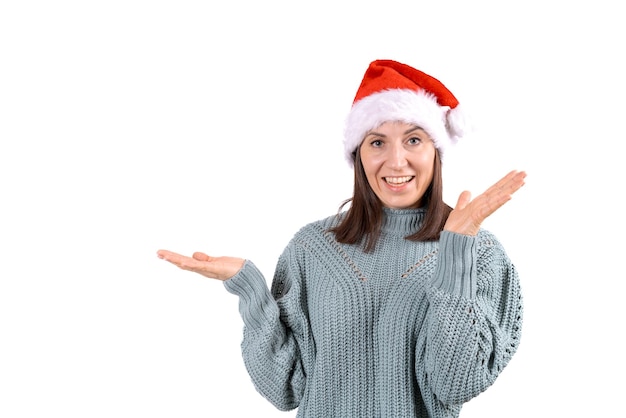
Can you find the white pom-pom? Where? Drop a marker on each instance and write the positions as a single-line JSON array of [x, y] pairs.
[[458, 123]]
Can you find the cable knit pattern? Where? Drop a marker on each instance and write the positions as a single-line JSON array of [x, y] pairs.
[[412, 329]]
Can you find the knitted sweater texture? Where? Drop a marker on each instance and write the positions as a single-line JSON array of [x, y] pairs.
[[412, 329]]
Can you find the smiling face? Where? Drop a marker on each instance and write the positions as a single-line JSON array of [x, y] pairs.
[[398, 160]]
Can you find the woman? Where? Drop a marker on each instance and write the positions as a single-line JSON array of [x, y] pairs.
[[398, 306]]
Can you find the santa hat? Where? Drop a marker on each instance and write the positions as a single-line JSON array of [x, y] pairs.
[[391, 91]]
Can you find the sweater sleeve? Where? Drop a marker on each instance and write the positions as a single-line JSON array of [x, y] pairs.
[[273, 332], [475, 316]]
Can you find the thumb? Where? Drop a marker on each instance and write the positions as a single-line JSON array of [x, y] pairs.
[[200, 256], [464, 199]]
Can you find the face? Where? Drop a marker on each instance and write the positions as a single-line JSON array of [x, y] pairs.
[[398, 159]]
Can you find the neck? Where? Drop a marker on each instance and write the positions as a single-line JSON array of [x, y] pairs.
[[402, 221]]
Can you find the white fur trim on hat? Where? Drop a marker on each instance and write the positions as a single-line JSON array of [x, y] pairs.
[[444, 125]]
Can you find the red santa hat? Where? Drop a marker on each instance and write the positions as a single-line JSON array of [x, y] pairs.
[[392, 91]]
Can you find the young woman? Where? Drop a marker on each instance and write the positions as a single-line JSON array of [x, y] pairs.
[[398, 306]]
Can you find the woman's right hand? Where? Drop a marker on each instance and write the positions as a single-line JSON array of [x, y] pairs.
[[221, 268]]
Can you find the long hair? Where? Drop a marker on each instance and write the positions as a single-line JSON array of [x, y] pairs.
[[363, 221]]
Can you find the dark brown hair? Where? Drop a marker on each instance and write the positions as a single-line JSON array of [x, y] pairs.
[[364, 218]]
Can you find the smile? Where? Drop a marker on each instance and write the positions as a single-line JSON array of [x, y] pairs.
[[396, 181]]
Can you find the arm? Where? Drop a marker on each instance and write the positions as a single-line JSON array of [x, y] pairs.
[[474, 320], [275, 331], [275, 326], [475, 317]]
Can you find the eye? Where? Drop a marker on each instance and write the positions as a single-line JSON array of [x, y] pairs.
[[414, 140], [377, 143]]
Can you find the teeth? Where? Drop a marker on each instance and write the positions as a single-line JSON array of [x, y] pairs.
[[398, 180]]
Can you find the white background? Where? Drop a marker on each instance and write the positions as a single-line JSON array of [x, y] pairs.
[[130, 126]]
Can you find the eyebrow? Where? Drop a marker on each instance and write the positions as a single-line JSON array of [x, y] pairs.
[[415, 128]]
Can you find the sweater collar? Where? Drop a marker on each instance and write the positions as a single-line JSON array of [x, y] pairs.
[[402, 221]]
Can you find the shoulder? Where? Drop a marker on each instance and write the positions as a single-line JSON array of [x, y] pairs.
[[312, 243]]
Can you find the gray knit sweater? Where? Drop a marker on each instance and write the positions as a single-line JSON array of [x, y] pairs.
[[412, 329]]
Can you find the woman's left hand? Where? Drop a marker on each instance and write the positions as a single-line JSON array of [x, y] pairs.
[[469, 214]]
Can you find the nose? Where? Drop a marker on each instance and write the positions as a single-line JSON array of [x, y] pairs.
[[397, 157]]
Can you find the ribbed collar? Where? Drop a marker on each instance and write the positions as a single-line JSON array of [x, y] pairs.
[[402, 221]]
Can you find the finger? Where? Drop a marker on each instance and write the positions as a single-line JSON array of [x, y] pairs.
[[493, 203], [199, 263], [517, 182], [504, 182], [464, 198], [181, 261], [165, 254], [512, 181], [505, 187], [501, 192], [201, 256]]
